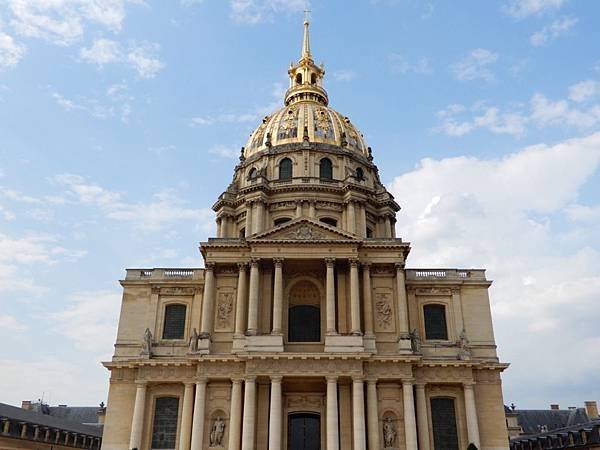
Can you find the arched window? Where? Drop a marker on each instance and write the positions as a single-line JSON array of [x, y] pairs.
[[443, 422], [313, 79], [435, 322], [242, 232], [281, 221], [299, 78], [359, 174], [369, 232], [304, 313], [329, 221], [252, 174], [285, 169], [164, 427], [174, 324], [325, 169]]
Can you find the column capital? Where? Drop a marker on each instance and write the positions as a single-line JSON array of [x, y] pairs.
[[366, 265], [400, 265], [358, 378], [329, 261], [331, 378], [354, 262], [201, 380], [250, 378], [189, 384], [468, 384], [276, 378], [254, 261], [278, 261], [420, 384], [141, 383], [371, 380], [209, 266], [408, 382], [242, 266], [237, 380]]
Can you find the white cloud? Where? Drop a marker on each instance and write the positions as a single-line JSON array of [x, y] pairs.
[[142, 58], [584, 90], [475, 66], [552, 31], [166, 206], [458, 120], [90, 321], [63, 22], [257, 11], [521, 9], [102, 51], [401, 65], [10, 323], [11, 52], [145, 61], [116, 103], [224, 151], [502, 214], [344, 75]]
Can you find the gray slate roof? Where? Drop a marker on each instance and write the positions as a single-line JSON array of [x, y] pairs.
[[531, 419], [34, 417], [79, 414]]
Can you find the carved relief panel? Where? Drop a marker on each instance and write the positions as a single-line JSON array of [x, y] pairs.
[[224, 309], [383, 304]]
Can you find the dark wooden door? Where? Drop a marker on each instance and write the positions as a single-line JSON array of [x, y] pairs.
[[304, 432]]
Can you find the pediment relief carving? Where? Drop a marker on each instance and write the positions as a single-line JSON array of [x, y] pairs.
[[304, 229]]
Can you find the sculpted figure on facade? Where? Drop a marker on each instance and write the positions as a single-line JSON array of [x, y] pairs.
[[415, 341], [224, 308], [147, 343], [389, 433], [193, 345], [384, 310], [464, 350], [217, 431]]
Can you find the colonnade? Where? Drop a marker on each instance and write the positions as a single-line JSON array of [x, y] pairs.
[[354, 219], [248, 288], [241, 433]]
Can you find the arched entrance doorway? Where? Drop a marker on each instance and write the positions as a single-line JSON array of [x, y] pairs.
[[304, 431]]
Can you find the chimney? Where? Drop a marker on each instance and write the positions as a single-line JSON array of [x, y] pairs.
[[26, 405], [572, 408], [591, 408], [554, 406]]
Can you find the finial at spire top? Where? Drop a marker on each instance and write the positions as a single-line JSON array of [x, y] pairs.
[[306, 40]]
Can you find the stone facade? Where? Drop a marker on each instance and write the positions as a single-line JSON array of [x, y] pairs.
[[304, 321]]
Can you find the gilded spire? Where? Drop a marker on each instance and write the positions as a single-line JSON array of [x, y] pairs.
[[306, 40]]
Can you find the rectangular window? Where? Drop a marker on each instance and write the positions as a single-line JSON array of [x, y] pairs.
[[435, 322], [443, 418], [164, 427], [174, 324]]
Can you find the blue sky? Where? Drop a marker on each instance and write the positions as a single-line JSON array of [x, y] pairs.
[[121, 122]]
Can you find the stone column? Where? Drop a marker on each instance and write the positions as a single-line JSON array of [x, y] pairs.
[[354, 299], [198, 420], [275, 413], [219, 227], [351, 217], [240, 302], [330, 297], [235, 417], [471, 413], [422, 417], [457, 309], [363, 220], [299, 208], [208, 300], [137, 421], [387, 227], [312, 212], [333, 438], [248, 218], [402, 304], [278, 297], [358, 414], [259, 223], [249, 422], [185, 429], [368, 300], [253, 297], [410, 425], [372, 415]]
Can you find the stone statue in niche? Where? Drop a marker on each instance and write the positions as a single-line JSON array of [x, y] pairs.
[[464, 351], [193, 346], [216, 432], [389, 433], [415, 341], [147, 343]]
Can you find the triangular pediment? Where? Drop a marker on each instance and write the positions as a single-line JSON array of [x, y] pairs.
[[304, 229]]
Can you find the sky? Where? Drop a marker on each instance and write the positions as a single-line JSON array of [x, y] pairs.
[[121, 122]]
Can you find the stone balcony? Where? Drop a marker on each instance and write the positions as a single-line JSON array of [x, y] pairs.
[[169, 274], [445, 275]]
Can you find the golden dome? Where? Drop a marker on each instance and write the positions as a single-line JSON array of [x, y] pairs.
[[306, 116], [305, 121]]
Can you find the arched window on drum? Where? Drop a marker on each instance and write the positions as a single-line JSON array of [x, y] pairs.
[[285, 169]]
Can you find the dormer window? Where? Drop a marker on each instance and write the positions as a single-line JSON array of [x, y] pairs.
[[359, 174], [285, 169], [325, 169], [253, 174]]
